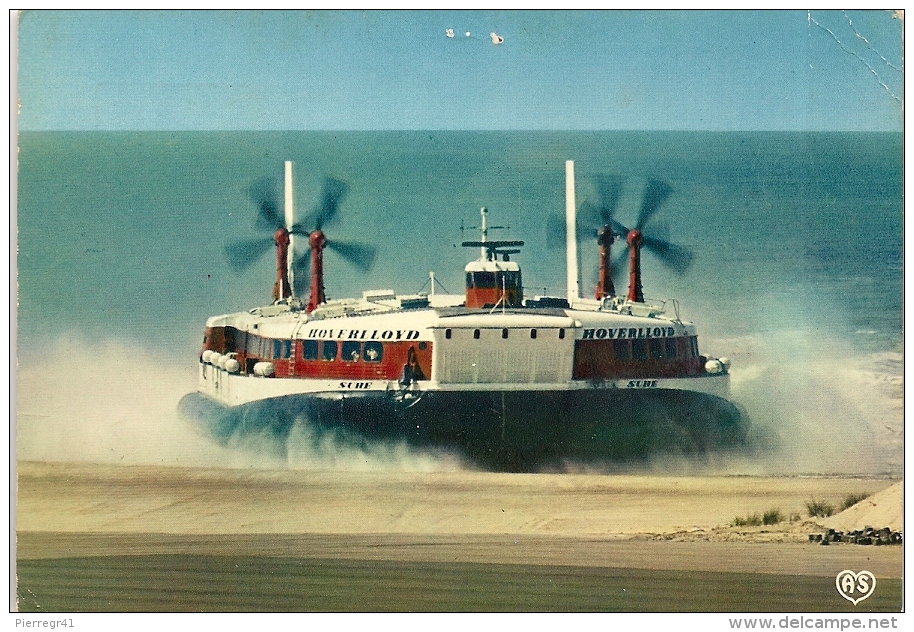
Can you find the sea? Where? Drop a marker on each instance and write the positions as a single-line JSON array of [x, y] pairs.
[[796, 275]]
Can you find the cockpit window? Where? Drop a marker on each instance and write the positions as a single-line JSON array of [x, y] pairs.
[[493, 280]]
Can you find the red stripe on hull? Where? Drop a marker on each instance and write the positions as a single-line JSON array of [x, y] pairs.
[[613, 359], [290, 360]]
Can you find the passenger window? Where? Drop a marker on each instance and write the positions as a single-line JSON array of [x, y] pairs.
[[671, 348], [622, 350], [328, 350], [657, 348], [351, 351], [286, 349], [476, 334], [504, 333], [309, 349], [447, 334], [533, 334], [639, 349], [373, 352]]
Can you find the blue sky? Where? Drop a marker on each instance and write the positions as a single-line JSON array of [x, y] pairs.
[[329, 70]]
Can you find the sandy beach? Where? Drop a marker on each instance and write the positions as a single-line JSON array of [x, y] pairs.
[[587, 529]]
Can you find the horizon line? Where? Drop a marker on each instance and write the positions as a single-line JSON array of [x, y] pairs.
[[438, 130]]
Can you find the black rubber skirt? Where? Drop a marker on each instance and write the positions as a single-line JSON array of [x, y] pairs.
[[505, 431]]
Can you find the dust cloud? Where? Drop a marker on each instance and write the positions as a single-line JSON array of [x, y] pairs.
[[831, 410], [116, 403]]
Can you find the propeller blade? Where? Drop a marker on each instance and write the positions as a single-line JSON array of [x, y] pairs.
[[660, 230], [677, 258], [588, 215], [655, 194], [242, 254], [333, 192], [609, 190], [619, 230], [359, 255], [556, 229], [265, 194]]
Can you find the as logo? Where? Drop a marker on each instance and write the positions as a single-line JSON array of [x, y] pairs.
[[855, 587]]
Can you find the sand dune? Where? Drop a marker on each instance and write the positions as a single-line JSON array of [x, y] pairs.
[[884, 509]]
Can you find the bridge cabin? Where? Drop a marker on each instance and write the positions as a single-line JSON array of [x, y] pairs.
[[492, 283]]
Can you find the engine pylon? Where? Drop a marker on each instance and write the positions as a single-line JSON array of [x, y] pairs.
[[282, 289], [317, 241], [605, 285], [634, 239]]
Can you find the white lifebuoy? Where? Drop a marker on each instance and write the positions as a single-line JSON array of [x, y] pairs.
[[264, 369]]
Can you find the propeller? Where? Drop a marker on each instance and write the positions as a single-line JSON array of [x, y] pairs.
[[593, 215], [676, 258], [655, 238], [265, 194], [360, 255], [242, 254]]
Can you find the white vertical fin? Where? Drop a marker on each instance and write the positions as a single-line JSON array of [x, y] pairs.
[[571, 242], [290, 222]]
